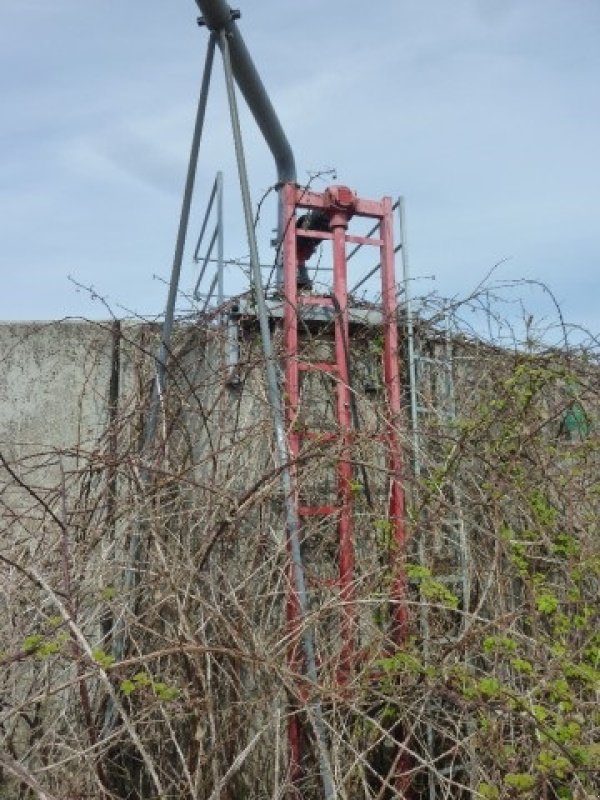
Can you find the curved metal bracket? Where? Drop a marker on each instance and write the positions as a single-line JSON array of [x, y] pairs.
[[218, 16]]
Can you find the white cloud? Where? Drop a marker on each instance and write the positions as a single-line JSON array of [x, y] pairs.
[[481, 112]]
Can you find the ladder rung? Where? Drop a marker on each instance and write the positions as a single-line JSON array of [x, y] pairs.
[[318, 366], [327, 583], [318, 511], [319, 436], [314, 300]]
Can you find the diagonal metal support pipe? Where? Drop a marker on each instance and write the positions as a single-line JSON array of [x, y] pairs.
[[275, 402], [119, 634], [218, 16]]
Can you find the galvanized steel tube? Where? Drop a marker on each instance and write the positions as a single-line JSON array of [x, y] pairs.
[[218, 17]]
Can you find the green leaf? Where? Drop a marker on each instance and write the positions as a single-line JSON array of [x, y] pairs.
[[540, 713], [487, 791], [401, 662], [108, 593], [127, 687], [499, 643], [546, 603], [550, 764], [489, 687], [48, 649], [438, 592], [521, 665], [417, 571], [142, 679], [105, 660], [165, 692], [520, 781], [32, 642]]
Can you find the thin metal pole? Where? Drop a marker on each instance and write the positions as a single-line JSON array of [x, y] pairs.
[[414, 420], [164, 349], [372, 272], [209, 205], [131, 574], [220, 240], [355, 250], [275, 403], [218, 16], [410, 333], [391, 369]]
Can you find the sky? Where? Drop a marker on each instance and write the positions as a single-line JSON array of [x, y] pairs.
[[483, 114]]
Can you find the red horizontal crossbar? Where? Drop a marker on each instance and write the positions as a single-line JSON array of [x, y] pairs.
[[364, 240], [314, 300], [308, 234], [349, 237], [364, 208], [319, 436], [318, 366], [318, 511]]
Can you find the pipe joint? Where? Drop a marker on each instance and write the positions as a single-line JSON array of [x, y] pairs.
[[217, 25], [341, 202]]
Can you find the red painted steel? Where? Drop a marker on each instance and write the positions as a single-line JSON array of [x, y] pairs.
[[339, 223], [325, 302], [318, 511], [291, 399], [391, 372], [319, 366], [340, 205]]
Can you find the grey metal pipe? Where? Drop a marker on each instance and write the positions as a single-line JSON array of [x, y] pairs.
[[165, 342], [275, 402], [135, 545], [217, 15]]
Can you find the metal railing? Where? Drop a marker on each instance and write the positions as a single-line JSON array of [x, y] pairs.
[[216, 286], [377, 266]]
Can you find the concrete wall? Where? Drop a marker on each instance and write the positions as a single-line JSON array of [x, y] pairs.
[[54, 385]]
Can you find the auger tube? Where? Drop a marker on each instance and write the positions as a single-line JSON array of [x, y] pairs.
[[217, 16]]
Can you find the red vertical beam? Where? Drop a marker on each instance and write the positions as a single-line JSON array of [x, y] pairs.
[[290, 314], [338, 225], [291, 402], [391, 371]]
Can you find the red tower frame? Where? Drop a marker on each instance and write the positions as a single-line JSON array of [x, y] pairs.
[[339, 205]]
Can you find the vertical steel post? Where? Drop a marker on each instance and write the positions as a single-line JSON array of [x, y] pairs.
[[410, 335], [220, 241], [391, 368], [135, 544], [292, 396], [391, 371], [338, 225], [165, 343], [314, 706], [415, 434]]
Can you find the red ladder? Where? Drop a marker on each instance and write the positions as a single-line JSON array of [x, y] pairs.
[[337, 206]]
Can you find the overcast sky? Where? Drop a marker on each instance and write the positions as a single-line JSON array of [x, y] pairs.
[[484, 114]]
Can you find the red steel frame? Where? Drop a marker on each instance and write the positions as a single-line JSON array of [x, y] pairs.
[[340, 205]]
